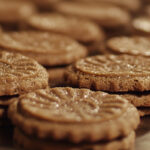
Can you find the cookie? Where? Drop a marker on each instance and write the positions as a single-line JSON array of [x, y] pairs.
[[86, 32], [20, 74], [56, 76], [48, 49], [30, 143], [138, 99], [16, 12], [111, 73], [141, 25], [137, 45], [55, 113], [131, 5], [100, 13], [80, 29]]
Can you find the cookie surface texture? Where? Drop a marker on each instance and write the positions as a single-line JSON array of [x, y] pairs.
[[111, 73], [48, 49], [55, 113], [20, 74], [137, 45]]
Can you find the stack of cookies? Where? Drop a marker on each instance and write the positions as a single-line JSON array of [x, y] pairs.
[[135, 46], [52, 50], [52, 119], [116, 74], [77, 42], [18, 75]]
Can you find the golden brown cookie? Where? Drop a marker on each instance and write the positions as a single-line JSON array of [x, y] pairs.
[[111, 73], [30, 143], [48, 49], [141, 25], [56, 76], [100, 13], [80, 29], [74, 114], [136, 45], [131, 5], [20, 74]]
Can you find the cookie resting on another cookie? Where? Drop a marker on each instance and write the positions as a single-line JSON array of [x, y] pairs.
[[48, 49], [110, 73], [55, 113]]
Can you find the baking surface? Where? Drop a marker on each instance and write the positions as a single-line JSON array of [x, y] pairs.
[[142, 140]]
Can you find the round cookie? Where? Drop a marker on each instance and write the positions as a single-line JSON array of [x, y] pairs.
[[136, 45], [48, 49], [141, 25], [111, 73], [78, 28], [131, 5], [56, 76], [20, 74], [55, 113], [31, 143], [100, 13]]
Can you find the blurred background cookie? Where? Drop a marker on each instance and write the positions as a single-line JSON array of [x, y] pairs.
[[136, 45], [83, 30]]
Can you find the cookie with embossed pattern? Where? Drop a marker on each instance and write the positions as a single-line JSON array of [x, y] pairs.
[[20, 74], [112, 73], [74, 114], [48, 49], [30, 143], [137, 45]]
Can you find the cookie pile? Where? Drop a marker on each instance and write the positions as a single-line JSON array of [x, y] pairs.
[[45, 118], [97, 83], [18, 75]]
